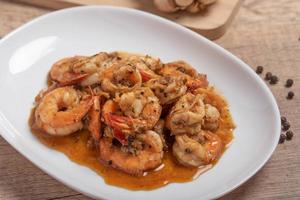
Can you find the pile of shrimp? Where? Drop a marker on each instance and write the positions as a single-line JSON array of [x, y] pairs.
[[131, 104]]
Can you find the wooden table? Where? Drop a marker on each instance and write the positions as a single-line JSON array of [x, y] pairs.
[[264, 33]]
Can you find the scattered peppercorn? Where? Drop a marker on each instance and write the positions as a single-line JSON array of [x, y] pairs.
[[283, 119], [289, 135], [274, 79], [259, 69], [268, 76], [286, 126], [290, 95], [110, 162], [282, 138], [289, 83]]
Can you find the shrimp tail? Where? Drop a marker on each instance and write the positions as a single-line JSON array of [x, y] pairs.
[[145, 76], [118, 123]]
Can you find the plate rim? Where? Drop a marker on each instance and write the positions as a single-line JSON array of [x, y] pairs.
[[6, 127]]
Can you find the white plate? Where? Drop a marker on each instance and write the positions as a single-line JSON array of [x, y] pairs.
[[28, 52]]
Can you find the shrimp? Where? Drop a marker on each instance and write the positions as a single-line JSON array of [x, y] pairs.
[[121, 77], [211, 119], [132, 112], [60, 111], [62, 72], [146, 66], [94, 114], [134, 159], [94, 123], [190, 152], [94, 66], [179, 68], [193, 79], [167, 88], [199, 82], [186, 116], [91, 64], [79, 69], [152, 63]]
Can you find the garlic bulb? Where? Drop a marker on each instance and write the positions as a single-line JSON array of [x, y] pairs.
[[166, 5], [183, 3], [192, 6]]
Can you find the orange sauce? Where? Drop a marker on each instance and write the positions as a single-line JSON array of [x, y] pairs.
[[76, 148]]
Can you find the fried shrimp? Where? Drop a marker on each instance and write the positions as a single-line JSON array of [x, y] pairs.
[[195, 153], [132, 112], [60, 112], [145, 155], [121, 77], [186, 116]]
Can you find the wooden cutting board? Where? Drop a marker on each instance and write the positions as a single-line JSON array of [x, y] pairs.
[[211, 23]]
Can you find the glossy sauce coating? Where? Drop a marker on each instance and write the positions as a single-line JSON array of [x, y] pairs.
[[77, 148]]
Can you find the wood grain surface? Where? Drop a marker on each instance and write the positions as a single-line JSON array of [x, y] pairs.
[[212, 23], [264, 33]]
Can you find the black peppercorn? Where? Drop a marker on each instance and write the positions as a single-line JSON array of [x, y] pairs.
[[286, 126], [273, 80], [290, 95], [289, 135], [289, 83], [259, 69], [283, 119], [268, 76], [282, 138]]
